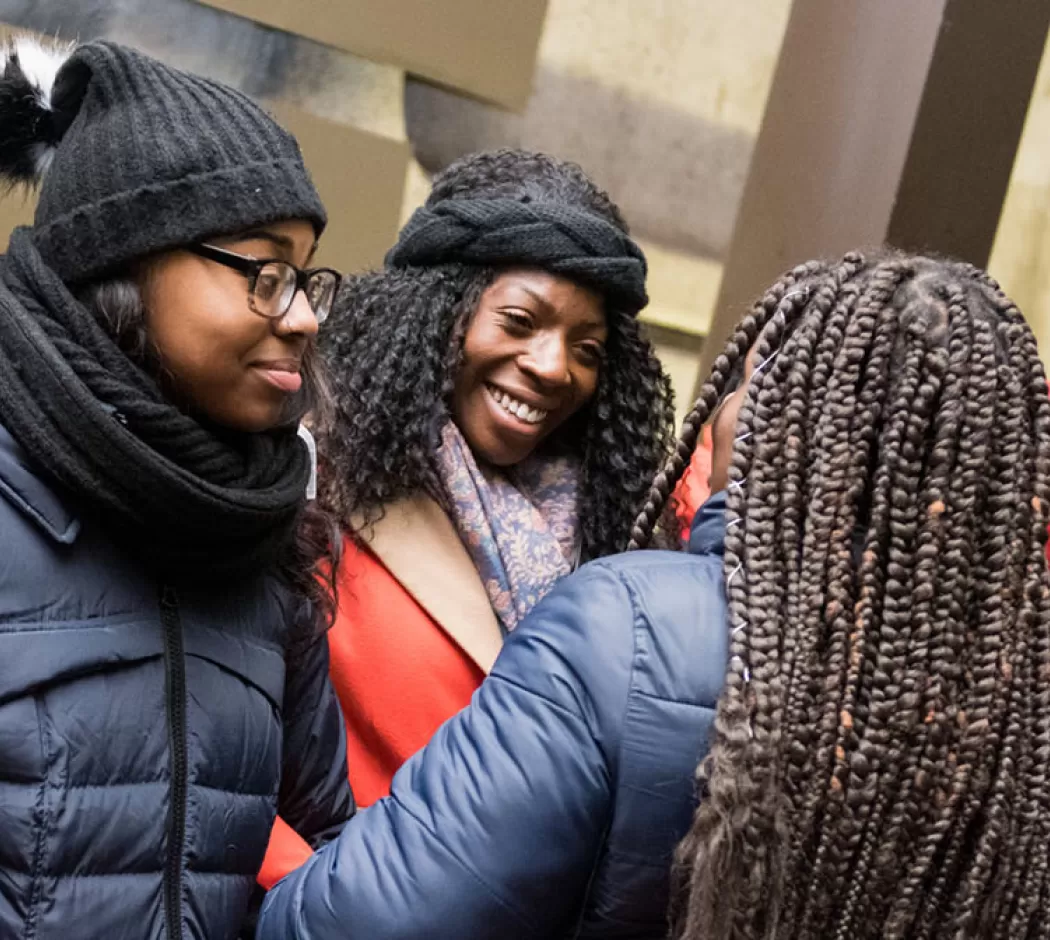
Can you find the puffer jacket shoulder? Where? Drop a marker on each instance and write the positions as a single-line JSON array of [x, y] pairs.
[[144, 731], [550, 807]]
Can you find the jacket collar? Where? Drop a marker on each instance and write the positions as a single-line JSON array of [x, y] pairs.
[[708, 533], [416, 542], [24, 490]]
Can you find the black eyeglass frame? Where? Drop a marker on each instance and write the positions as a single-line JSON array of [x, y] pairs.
[[251, 268]]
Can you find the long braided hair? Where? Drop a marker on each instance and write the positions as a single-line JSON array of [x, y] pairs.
[[881, 758], [394, 345]]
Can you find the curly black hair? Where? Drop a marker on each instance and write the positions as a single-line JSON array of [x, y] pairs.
[[394, 344], [881, 760]]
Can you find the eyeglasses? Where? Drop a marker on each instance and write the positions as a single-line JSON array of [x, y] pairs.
[[273, 284]]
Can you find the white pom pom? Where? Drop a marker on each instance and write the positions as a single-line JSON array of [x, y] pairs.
[[38, 62], [28, 134]]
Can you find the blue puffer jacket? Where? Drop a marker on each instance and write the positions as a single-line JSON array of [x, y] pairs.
[[142, 733], [549, 807]]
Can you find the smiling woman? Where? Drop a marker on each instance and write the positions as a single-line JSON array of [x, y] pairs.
[[497, 401], [531, 358], [499, 416]]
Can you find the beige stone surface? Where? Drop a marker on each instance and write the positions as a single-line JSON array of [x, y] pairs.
[[680, 363], [360, 178], [265, 63], [485, 48], [1021, 256], [682, 288], [16, 208], [329, 83], [704, 58]]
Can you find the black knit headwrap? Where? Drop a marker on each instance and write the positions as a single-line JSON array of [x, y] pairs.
[[564, 240], [185, 498]]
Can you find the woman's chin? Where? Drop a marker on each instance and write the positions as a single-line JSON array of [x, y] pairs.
[[248, 420], [490, 447]]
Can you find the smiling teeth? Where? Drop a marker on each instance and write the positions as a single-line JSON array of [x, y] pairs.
[[519, 409]]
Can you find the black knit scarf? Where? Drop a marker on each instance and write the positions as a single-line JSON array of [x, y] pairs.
[[565, 240], [180, 495]]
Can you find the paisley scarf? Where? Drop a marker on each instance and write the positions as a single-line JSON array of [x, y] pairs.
[[519, 524]]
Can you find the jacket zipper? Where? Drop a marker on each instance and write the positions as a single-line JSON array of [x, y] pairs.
[[175, 675]]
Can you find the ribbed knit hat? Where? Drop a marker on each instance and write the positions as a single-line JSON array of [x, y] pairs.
[[134, 157]]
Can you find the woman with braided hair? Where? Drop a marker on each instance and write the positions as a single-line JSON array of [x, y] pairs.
[[880, 762], [858, 640]]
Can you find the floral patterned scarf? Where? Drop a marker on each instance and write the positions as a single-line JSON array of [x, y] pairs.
[[519, 524]]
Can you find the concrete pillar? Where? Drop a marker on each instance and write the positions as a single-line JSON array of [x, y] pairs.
[[888, 121]]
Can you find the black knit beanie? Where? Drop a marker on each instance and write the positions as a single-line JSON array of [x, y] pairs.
[[138, 157]]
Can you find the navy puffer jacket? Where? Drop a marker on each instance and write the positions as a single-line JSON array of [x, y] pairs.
[[143, 731], [550, 807]]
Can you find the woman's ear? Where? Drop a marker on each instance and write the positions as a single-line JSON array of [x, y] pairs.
[[723, 425], [723, 422]]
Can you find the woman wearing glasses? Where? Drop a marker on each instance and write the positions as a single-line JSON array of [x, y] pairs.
[[163, 670]]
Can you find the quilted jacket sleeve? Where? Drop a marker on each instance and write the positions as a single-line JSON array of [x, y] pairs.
[[492, 830], [315, 798]]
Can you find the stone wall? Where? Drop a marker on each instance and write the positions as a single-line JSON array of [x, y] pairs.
[[1021, 256]]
